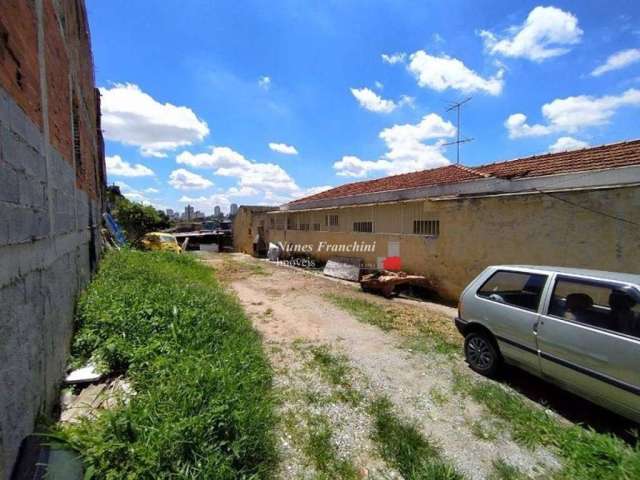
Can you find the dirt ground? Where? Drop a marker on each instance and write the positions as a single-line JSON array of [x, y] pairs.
[[291, 310]]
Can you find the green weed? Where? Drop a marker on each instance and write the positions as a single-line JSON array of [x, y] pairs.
[[203, 405], [505, 471], [404, 447], [586, 454]]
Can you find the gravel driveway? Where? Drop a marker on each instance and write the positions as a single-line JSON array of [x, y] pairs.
[[291, 310]]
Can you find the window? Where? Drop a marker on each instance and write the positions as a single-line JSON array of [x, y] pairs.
[[331, 220], [365, 227], [304, 226], [597, 304], [316, 227], [519, 289], [291, 224], [426, 227]]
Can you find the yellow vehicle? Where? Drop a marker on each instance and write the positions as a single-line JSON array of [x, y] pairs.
[[160, 242]]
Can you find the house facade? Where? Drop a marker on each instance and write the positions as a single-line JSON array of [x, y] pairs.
[[579, 209]]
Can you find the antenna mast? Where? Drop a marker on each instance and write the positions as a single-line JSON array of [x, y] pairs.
[[456, 106]]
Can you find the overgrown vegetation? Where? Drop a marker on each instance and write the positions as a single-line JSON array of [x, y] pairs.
[[586, 454], [424, 331], [203, 406], [406, 449], [135, 218]]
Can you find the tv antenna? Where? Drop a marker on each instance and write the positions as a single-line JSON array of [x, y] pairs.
[[456, 106]]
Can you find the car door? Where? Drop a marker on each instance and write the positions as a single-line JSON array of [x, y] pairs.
[[508, 304], [589, 341]]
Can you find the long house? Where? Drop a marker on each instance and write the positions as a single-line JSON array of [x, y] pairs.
[[578, 208]]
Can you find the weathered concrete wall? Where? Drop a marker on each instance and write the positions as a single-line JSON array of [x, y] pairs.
[[474, 233], [51, 182], [246, 224]]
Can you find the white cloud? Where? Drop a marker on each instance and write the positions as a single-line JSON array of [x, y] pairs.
[[264, 82], [618, 60], [132, 117], [283, 148], [442, 72], [547, 32], [370, 100], [182, 179], [564, 144], [572, 114], [394, 58], [407, 151], [117, 166], [151, 190], [379, 85], [229, 163]]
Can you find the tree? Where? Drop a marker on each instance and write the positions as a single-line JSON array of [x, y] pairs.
[[135, 218]]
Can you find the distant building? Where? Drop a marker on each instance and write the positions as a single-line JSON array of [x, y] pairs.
[[233, 209], [170, 212], [217, 211], [199, 215], [188, 213]]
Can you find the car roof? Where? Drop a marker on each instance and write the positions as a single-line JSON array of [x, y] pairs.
[[584, 272]]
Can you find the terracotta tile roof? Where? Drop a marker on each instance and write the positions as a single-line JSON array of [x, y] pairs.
[[595, 158], [424, 178]]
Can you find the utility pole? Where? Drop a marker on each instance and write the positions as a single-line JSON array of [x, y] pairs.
[[456, 106]]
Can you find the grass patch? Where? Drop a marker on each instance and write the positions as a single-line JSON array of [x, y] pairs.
[[438, 396], [505, 471], [404, 447], [364, 311], [586, 454], [323, 454], [203, 404], [424, 331], [483, 430], [232, 269], [336, 370]]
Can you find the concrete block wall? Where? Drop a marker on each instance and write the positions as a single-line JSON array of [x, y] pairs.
[[51, 184]]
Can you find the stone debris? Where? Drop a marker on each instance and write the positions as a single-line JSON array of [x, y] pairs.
[[93, 398]]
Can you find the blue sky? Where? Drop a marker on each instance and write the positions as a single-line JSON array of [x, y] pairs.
[[194, 92]]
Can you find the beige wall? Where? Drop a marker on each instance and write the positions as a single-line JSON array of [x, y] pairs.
[[245, 226], [475, 233]]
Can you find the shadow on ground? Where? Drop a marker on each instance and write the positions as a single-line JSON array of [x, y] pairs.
[[570, 406]]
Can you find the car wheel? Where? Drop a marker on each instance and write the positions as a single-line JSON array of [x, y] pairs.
[[481, 353]]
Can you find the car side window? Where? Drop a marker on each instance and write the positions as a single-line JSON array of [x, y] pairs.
[[519, 289], [598, 304]]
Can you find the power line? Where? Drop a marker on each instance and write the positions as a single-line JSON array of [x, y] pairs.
[[456, 106], [592, 210]]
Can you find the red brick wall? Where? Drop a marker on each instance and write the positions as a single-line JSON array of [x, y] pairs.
[[68, 72], [19, 69]]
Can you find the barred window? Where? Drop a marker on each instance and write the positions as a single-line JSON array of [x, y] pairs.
[[316, 227], [366, 227], [291, 224], [331, 220], [304, 226], [430, 228]]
